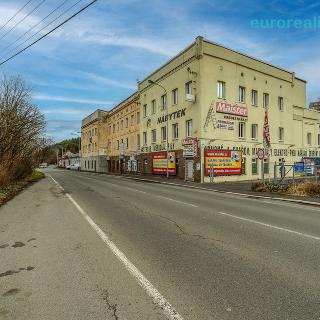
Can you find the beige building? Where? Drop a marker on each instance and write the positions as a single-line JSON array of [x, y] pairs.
[[219, 97], [123, 132], [94, 141]]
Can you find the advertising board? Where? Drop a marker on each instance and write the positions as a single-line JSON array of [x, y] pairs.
[[223, 162], [159, 163]]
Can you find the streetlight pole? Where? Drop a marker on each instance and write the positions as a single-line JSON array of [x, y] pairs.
[[167, 124]]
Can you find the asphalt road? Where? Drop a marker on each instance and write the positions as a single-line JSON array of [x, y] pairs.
[[92, 246]]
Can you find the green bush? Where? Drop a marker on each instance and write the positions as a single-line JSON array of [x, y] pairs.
[[35, 176]]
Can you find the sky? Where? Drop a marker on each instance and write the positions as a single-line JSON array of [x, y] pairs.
[[95, 59]]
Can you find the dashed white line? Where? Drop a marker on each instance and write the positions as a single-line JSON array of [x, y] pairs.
[[156, 296], [270, 226], [182, 202]]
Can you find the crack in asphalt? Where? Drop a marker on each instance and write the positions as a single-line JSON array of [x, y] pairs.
[[111, 307]]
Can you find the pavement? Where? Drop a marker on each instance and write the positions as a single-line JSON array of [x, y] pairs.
[[78, 245]]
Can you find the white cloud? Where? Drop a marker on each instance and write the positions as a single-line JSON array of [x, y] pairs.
[[70, 99], [64, 111]]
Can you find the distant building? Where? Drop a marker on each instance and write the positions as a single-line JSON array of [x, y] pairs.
[[315, 106]]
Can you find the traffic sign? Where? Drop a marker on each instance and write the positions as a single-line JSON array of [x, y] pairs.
[[260, 154]]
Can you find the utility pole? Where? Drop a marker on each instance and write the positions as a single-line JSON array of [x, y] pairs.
[[167, 125]]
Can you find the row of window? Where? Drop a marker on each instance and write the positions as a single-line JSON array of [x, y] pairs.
[[163, 131], [91, 147], [164, 100], [221, 94], [92, 132], [124, 123]]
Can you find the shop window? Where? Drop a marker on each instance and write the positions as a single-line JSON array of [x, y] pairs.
[[254, 166]]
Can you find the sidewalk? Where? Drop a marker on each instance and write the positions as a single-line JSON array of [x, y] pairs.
[[240, 188]]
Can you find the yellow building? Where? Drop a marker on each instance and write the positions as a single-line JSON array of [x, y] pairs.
[[123, 131], [93, 142], [219, 97]]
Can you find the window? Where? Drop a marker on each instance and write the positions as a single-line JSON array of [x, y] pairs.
[[163, 133], [254, 166], [132, 119], [280, 103], [144, 110], [265, 166], [138, 141], [254, 131], [189, 128], [154, 136], [164, 102], [266, 100], [241, 130], [117, 126], [221, 90], [254, 97], [121, 124], [175, 131], [127, 143], [127, 122], [175, 96], [242, 94], [138, 117], [153, 106], [189, 87], [309, 138], [243, 165], [109, 129], [114, 128], [281, 134], [318, 139], [95, 131], [144, 137]]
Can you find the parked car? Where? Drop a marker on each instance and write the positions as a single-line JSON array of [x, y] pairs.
[[74, 166], [43, 165], [68, 166]]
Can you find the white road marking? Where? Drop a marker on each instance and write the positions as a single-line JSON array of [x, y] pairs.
[[186, 203], [158, 299], [270, 226]]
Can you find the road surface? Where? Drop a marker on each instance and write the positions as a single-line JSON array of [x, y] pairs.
[[79, 245]]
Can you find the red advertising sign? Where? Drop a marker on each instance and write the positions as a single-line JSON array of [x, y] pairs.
[[159, 163], [223, 107], [223, 162], [190, 147], [266, 130]]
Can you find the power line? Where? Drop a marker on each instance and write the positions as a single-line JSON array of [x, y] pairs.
[[24, 18], [37, 24], [47, 25], [15, 14], [52, 30]]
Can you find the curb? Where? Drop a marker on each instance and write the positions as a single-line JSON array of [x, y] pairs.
[[310, 203]]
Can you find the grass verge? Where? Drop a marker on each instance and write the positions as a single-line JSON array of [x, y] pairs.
[[7, 192]]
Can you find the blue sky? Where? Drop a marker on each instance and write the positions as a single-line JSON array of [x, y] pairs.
[[95, 59]]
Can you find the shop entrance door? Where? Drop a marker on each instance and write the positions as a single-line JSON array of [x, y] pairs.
[[189, 172]]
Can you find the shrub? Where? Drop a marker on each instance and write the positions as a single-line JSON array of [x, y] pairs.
[[258, 187], [305, 189]]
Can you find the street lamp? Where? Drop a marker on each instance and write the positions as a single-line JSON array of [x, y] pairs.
[[167, 126]]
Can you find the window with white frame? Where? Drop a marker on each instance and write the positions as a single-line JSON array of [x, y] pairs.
[[175, 96], [175, 131], [254, 131], [154, 136], [242, 94], [153, 106], [221, 90], [280, 103], [309, 139], [254, 98], [241, 131], [144, 137], [144, 110], [163, 134], [189, 128], [164, 102], [266, 100], [188, 87], [281, 134]]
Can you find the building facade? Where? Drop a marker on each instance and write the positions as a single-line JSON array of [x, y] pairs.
[[123, 134], [225, 101], [94, 142]]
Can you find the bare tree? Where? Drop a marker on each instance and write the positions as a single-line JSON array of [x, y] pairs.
[[21, 129]]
